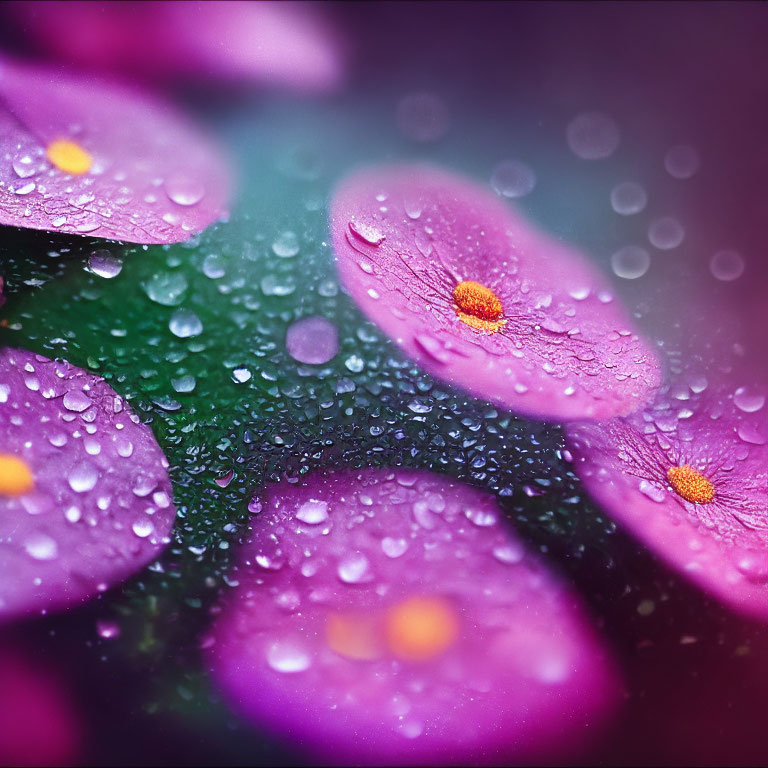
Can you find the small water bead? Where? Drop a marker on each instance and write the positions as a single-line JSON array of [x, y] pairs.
[[41, 547], [241, 375], [108, 629], [367, 233], [184, 190], [422, 116], [286, 245], [24, 166], [354, 363], [213, 266], [748, 400], [630, 262], [287, 656], [274, 285], [83, 477], [593, 136], [312, 340], [143, 528], [313, 512], [185, 323], [104, 264], [628, 198], [76, 400], [727, 265], [166, 288], [354, 569], [666, 233], [682, 161], [513, 178], [184, 383], [392, 547]]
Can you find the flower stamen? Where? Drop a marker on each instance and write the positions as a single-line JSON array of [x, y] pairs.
[[68, 156], [15, 476], [478, 306], [690, 484]]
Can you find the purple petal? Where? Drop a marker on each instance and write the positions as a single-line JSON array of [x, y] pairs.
[[99, 505], [389, 616], [39, 723], [556, 345], [88, 158], [714, 530], [285, 44]]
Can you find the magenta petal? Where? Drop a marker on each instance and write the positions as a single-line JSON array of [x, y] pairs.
[[38, 724], [152, 176], [304, 645], [101, 506], [281, 43], [405, 236], [721, 544]]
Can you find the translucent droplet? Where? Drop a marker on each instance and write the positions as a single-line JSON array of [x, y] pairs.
[[727, 265], [682, 161], [354, 568], [286, 245], [76, 400], [41, 547], [593, 136], [184, 190], [185, 323], [628, 198], [666, 233], [513, 178], [83, 477], [393, 547], [748, 400], [184, 383], [630, 262], [241, 375], [312, 340], [367, 233], [313, 512], [166, 288], [287, 656], [213, 266], [104, 264], [143, 527], [107, 629]]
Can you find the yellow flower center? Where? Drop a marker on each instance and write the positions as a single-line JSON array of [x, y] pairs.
[[690, 484], [69, 157], [478, 306], [15, 476], [421, 628], [354, 636]]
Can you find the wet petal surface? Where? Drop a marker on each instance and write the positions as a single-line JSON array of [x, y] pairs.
[[388, 616], [483, 300], [86, 157], [84, 490]]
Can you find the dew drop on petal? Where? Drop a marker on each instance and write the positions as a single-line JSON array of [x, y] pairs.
[[76, 400], [105, 264], [41, 547], [184, 190], [287, 656], [748, 400], [312, 512], [354, 568], [286, 245], [593, 135], [630, 262], [83, 477], [727, 265]]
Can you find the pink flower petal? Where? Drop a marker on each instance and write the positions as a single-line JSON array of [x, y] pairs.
[[717, 534], [94, 504], [88, 158], [389, 616], [285, 44], [38, 724], [561, 347]]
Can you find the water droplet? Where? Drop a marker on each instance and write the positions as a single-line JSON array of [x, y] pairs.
[[241, 375], [313, 512], [185, 323], [274, 285], [753, 565], [24, 167], [748, 400], [630, 262], [107, 629], [312, 340], [628, 198], [509, 553], [666, 233], [287, 656], [166, 288], [213, 266], [682, 162], [184, 190], [393, 547], [104, 264], [83, 477], [76, 400], [750, 433], [513, 178], [286, 245], [185, 383], [143, 527], [652, 491], [25, 189], [354, 569], [367, 233], [593, 136], [727, 265], [41, 547]]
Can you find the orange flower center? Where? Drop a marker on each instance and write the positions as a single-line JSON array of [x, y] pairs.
[[354, 636], [478, 306], [15, 476], [421, 628], [69, 157], [690, 484]]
